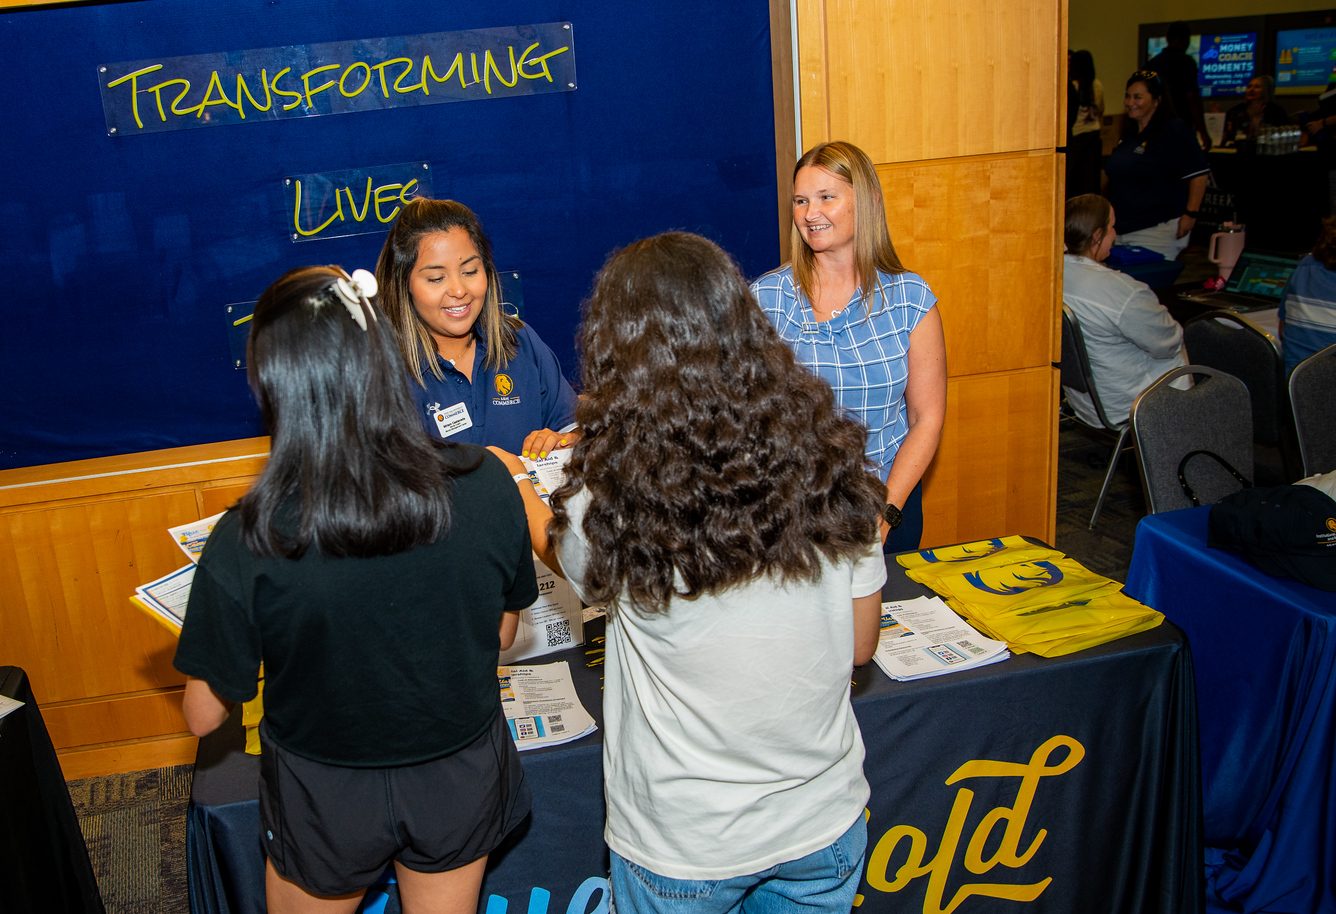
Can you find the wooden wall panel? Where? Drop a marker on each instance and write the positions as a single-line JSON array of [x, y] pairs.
[[980, 230], [75, 540], [928, 79], [958, 102], [994, 471]]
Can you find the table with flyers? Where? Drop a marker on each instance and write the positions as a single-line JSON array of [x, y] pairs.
[[1028, 786]]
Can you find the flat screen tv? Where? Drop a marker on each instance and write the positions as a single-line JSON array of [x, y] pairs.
[[1305, 59]]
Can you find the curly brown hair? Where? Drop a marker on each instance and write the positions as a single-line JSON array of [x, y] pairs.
[[710, 455]]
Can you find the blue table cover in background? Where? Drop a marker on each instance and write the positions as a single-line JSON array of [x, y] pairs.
[[1073, 779], [1264, 649]]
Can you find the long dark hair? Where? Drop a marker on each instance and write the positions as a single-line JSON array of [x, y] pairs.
[[394, 269], [711, 457], [349, 471], [1082, 72]]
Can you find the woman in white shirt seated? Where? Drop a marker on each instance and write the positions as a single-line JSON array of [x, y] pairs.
[[1130, 338]]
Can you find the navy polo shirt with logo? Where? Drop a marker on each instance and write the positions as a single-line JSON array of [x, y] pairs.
[[504, 405]]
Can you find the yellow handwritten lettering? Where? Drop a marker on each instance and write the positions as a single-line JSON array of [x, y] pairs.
[[366, 201], [419, 86], [366, 80], [1008, 852], [216, 84], [385, 194], [490, 67], [244, 90], [540, 61], [309, 90], [294, 95], [133, 78], [297, 213], [175, 106], [380, 71], [456, 67], [406, 192]]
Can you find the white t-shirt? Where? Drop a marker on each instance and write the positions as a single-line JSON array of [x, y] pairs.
[[730, 744], [1130, 337]]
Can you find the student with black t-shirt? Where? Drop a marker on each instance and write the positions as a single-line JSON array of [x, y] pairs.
[[375, 573]]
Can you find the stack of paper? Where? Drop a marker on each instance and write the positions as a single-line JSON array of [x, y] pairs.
[[553, 622], [541, 706], [1034, 598], [922, 637], [165, 599]]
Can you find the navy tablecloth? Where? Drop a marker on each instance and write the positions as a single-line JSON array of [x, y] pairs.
[[1026, 787], [1264, 649]]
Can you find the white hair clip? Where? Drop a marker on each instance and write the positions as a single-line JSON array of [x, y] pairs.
[[357, 291]]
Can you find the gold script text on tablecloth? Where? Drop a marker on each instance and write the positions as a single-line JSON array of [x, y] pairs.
[[1008, 853]]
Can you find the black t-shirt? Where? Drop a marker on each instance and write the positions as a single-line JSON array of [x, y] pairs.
[[1148, 175], [379, 661]]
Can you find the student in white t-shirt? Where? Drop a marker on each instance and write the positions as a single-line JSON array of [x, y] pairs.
[[722, 509]]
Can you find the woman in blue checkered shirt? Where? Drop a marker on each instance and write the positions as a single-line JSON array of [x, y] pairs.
[[857, 318]]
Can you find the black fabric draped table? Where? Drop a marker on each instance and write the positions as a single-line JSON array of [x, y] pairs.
[[1067, 784], [43, 859]]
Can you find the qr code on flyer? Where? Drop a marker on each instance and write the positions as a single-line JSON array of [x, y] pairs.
[[559, 632]]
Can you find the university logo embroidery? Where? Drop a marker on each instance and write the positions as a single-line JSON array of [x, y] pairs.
[[995, 581], [504, 385], [1331, 524]]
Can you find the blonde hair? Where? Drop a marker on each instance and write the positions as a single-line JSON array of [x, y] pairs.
[[873, 250]]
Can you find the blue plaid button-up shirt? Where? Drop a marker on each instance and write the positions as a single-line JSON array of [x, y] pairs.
[[862, 352]]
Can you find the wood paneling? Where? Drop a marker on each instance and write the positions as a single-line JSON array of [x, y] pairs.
[[929, 79], [981, 231], [958, 102], [147, 715], [114, 758], [994, 472], [75, 540]]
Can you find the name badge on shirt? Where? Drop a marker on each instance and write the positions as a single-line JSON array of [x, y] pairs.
[[451, 420]]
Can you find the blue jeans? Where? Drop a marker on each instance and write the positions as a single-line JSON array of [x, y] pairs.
[[824, 880]]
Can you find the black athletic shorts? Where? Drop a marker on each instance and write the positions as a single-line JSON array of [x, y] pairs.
[[332, 830]]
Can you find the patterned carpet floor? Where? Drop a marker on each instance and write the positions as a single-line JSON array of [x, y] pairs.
[[135, 828]]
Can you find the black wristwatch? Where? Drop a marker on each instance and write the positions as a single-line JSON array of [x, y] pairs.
[[1192, 213], [891, 514]]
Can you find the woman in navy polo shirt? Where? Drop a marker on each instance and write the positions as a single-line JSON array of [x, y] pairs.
[[1157, 174], [481, 376], [857, 318]]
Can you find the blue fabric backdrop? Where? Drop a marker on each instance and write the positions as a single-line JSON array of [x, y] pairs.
[[120, 253]]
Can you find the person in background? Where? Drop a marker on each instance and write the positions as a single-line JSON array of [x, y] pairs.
[[376, 574], [1157, 174], [1178, 69], [479, 375], [1257, 110], [1130, 338], [864, 324], [1085, 149], [720, 506], [1308, 309]]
